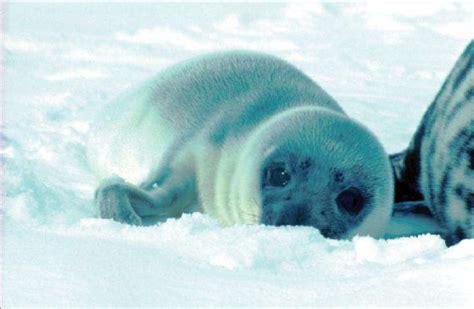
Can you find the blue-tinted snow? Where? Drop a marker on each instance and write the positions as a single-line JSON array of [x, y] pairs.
[[384, 63]]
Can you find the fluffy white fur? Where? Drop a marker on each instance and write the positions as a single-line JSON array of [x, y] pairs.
[[195, 138]]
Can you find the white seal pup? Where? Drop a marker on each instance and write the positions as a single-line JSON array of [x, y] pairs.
[[246, 138], [438, 166]]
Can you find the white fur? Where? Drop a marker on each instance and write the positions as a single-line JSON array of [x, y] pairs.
[[220, 108]]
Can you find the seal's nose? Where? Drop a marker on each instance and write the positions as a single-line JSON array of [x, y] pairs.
[[293, 215]]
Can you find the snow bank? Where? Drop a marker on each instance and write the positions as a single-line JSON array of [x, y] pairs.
[[194, 262]]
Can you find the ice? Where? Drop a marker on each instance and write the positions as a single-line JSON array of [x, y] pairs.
[[63, 62]]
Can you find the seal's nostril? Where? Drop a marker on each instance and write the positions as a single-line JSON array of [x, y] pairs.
[[351, 200]]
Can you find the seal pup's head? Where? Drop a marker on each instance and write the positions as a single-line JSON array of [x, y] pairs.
[[315, 167]]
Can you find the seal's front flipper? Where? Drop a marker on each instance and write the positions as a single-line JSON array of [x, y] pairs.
[[113, 203], [406, 172], [416, 208], [126, 203]]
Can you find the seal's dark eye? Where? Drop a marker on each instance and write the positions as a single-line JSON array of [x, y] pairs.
[[277, 175], [351, 200]]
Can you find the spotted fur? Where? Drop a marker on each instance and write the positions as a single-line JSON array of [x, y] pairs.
[[438, 164]]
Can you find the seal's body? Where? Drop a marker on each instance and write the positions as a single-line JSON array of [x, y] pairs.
[[246, 138], [438, 166]]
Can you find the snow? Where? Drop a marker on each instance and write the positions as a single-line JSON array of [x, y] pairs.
[[194, 262], [63, 62]]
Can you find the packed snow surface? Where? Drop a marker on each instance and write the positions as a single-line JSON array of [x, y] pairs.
[[63, 62], [192, 261]]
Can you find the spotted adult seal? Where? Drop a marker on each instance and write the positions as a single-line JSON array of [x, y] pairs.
[[246, 138], [437, 168]]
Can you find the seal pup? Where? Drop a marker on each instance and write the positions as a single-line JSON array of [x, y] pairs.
[[438, 166], [246, 138]]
